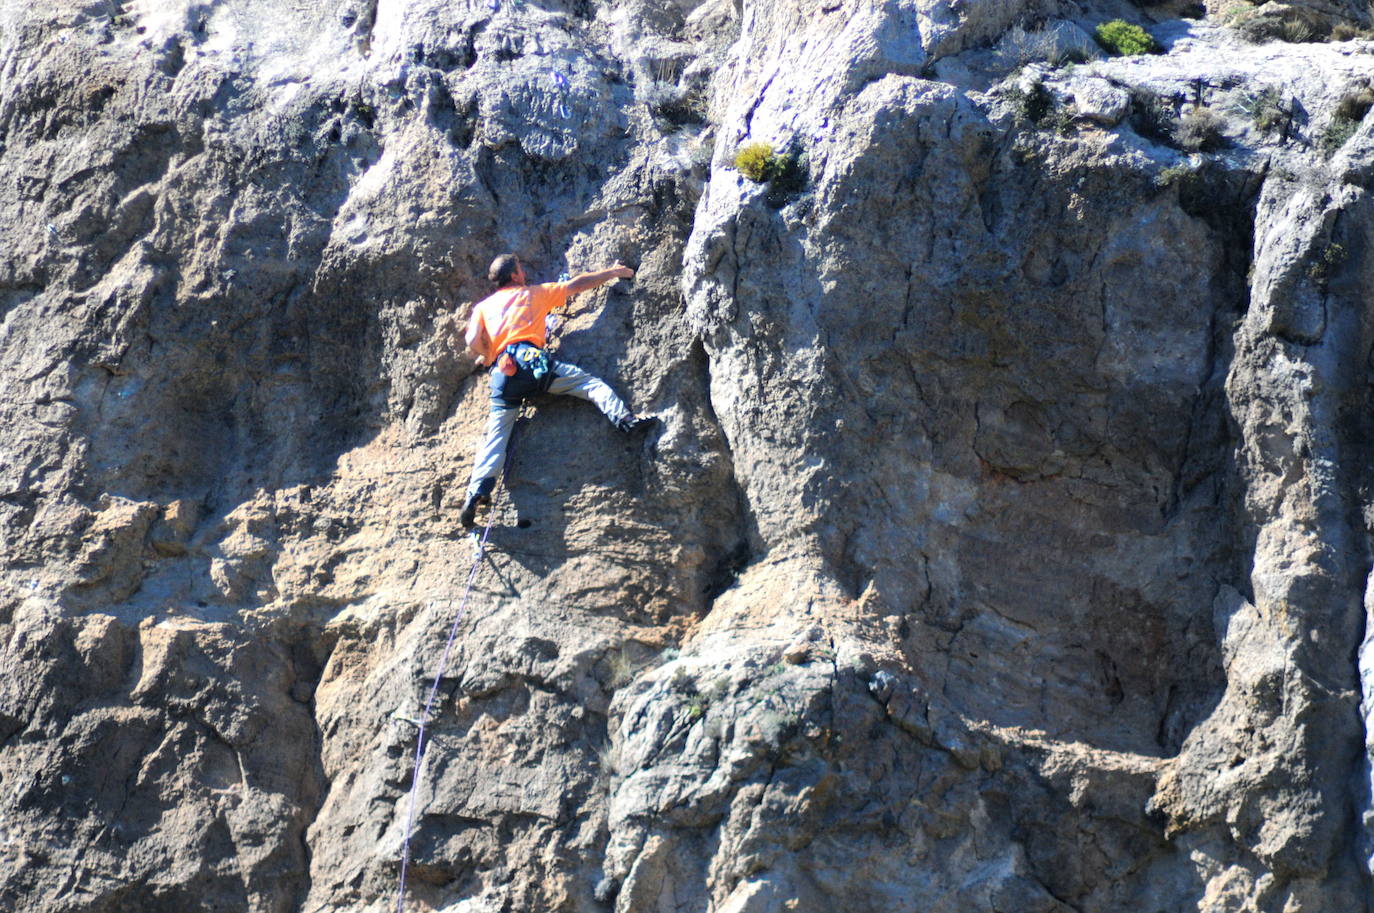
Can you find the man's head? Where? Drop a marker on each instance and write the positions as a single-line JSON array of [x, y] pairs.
[[506, 270]]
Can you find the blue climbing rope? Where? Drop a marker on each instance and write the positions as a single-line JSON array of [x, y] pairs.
[[423, 722]]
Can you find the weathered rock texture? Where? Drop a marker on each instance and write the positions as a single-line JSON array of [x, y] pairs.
[[1004, 546]]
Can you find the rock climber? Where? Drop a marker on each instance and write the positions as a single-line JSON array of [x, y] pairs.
[[507, 332]]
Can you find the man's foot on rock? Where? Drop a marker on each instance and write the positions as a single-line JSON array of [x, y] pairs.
[[637, 424], [468, 516]]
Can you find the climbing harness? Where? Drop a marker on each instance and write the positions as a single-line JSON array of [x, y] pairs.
[[529, 356]]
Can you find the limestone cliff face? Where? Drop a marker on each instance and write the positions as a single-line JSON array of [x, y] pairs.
[[1004, 546]]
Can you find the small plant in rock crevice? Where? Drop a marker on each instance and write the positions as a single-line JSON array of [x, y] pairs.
[[1124, 39], [622, 668], [784, 173], [1265, 109], [717, 689], [788, 178], [1355, 104], [755, 161], [1345, 31], [1172, 175], [1061, 120], [1296, 30], [1036, 105], [1345, 120], [1031, 105], [683, 681], [1335, 135], [1200, 130], [673, 105], [1152, 116], [1019, 47], [607, 759], [1280, 22], [1331, 257]]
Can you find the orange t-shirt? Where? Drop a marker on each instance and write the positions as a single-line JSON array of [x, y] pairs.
[[513, 315]]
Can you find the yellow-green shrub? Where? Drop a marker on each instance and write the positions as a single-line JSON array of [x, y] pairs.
[[755, 161]]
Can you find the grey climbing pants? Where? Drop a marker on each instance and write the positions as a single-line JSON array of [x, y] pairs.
[[506, 395]]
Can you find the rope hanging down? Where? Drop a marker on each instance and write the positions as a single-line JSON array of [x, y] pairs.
[[554, 326], [443, 665]]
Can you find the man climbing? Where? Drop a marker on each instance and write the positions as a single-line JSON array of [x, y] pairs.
[[507, 332]]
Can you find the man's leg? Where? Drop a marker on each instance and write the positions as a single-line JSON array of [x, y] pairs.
[[570, 380], [487, 466]]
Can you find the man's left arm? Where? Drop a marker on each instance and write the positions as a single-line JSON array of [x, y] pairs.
[[478, 342]]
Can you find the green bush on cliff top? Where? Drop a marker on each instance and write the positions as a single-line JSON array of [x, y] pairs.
[[1124, 39]]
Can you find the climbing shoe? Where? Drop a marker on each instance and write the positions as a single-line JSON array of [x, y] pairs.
[[631, 424], [468, 516]]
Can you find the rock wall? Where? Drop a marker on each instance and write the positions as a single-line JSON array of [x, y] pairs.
[[1004, 545]]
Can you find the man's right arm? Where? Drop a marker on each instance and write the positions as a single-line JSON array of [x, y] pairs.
[[585, 282]]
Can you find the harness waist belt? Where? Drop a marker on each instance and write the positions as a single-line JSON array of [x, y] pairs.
[[523, 355]]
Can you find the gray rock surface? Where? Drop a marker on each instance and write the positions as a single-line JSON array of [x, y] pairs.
[[1004, 546]]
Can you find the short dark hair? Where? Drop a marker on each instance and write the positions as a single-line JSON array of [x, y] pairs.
[[502, 269]]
